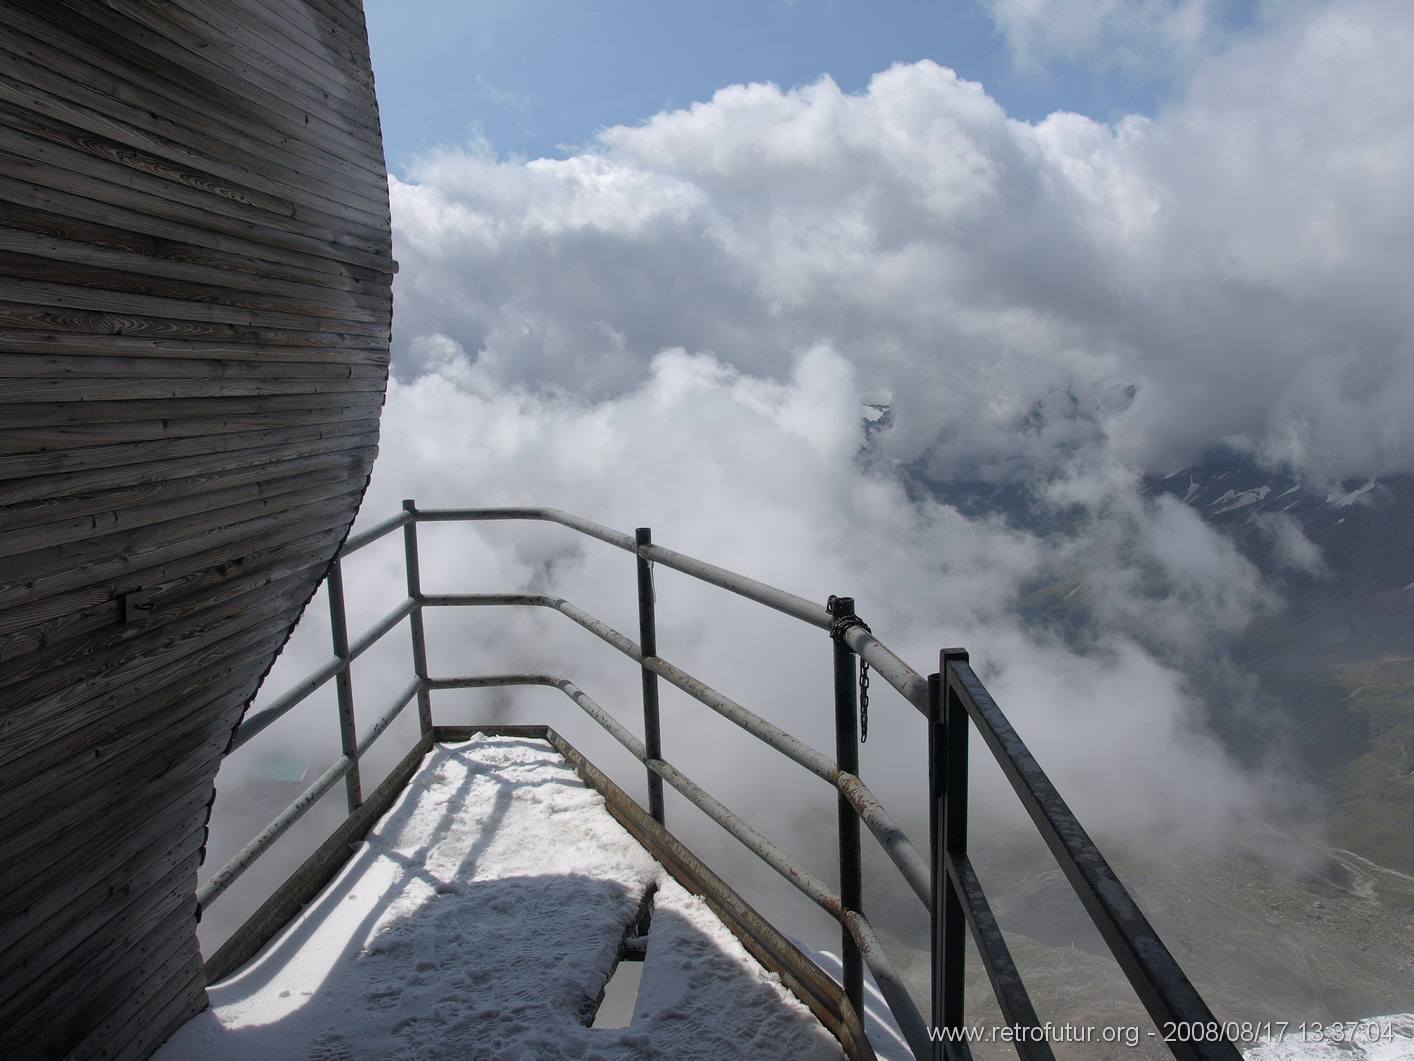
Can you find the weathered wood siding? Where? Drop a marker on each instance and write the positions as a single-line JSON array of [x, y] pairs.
[[194, 319]]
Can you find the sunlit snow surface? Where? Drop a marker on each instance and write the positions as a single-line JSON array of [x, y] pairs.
[[479, 921]]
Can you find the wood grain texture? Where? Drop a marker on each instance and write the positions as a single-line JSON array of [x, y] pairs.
[[195, 305], [260, 106], [131, 1031], [122, 108]]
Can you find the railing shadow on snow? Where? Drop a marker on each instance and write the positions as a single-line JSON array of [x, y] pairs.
[[951, 701]]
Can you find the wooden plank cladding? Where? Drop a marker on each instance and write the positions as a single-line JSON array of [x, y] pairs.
[[195, 304]]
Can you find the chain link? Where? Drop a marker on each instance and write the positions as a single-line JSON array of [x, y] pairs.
[[863, 702]]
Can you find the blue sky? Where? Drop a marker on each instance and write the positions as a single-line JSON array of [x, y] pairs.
[[534, 77]]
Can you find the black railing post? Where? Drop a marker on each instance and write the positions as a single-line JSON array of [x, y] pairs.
[[847, 759], [648, 642], [937, 776], [947, 783], [343, 684], [419, 639]]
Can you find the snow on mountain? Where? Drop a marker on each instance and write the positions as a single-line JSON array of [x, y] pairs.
[[1234, 500], [1344, 500]]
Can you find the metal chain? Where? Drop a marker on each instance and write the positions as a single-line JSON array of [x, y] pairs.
[[863, 702], [838, 627]]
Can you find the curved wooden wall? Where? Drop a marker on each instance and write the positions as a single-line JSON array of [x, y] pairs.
[[194, 317]]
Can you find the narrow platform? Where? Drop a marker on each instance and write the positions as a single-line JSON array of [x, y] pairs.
[[481, 920]]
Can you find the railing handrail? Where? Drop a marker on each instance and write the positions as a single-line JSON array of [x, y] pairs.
[[953, 700], [909, 683]]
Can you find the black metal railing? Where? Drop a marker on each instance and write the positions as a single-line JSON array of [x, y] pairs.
[[952, 701]]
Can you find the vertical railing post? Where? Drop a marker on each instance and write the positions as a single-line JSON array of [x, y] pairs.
[[847, 759], [937, 775], [343, 683], [947, 790], [648, 642], [419, 640]]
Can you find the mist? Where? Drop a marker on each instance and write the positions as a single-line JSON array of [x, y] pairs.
[[785, 326], [901, 346]]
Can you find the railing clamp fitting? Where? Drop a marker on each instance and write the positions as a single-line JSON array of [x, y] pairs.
[[841, 623]]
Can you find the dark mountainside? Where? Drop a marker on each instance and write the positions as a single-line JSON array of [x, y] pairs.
[[1336, 662]]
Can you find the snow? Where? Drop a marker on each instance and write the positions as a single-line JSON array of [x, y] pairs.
[[1346, 500], [879, 1024], [1234, 499], [1375, 1039], [480, 920]]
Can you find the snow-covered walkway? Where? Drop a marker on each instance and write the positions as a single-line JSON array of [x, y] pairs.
[[480, 921]]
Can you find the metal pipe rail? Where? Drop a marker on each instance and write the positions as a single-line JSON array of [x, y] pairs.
[[952, 701], [344, 766]]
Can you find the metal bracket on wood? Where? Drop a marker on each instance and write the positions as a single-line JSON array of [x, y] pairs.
[[135, 605]]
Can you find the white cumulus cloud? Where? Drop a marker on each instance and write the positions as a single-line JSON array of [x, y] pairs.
[[682, 327]]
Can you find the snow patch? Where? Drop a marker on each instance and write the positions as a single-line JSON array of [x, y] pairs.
[[1388, 1038], [1349, 499], [1234, 499], [481, 919]]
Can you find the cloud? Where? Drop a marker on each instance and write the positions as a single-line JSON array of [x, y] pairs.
[[1152, 36], [686, 326], [770, 477], [1229, 271]]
